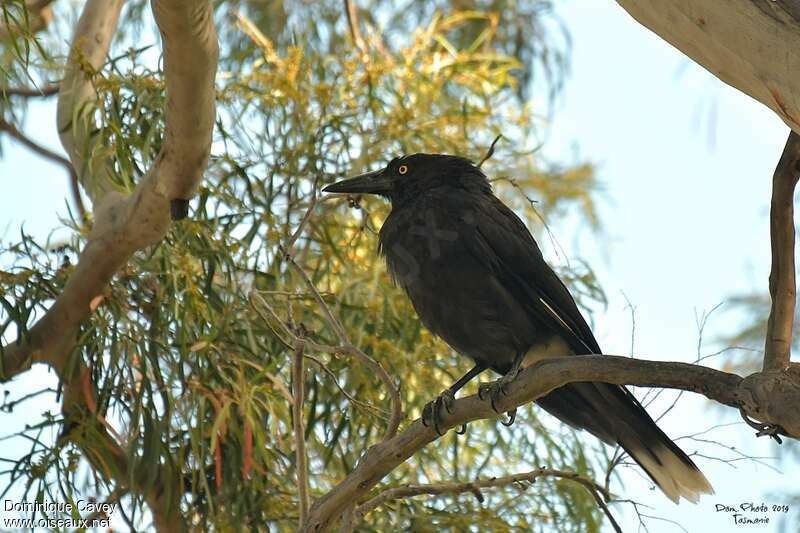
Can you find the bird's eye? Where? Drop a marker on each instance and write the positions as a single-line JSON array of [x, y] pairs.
[[403, 169]]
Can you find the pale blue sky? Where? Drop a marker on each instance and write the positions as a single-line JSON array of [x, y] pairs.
[[686, 165]]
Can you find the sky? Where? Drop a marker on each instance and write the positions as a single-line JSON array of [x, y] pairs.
[[685, 164]]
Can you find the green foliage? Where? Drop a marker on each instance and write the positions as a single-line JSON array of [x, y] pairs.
[[191, 373]]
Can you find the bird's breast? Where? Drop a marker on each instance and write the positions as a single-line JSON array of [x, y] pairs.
[[453, 292]]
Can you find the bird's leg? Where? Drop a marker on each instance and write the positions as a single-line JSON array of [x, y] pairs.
[[494, 389], [432, 412]]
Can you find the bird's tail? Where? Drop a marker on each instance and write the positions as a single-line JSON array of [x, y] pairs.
[[675, 474], [613, 414], [667, 465]]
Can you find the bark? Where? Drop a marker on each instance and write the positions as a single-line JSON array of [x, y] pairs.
[[752, 45], [780, 394], [124, 223], [777, 350]]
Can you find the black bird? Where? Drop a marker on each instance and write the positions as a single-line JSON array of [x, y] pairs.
[[477, 278]]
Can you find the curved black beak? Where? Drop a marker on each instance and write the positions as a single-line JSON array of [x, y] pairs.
[[370, 183]]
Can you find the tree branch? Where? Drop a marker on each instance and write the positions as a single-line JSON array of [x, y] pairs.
[[77, 98], [777, 351], [345, 346], [301, 459], [535, 382], [752, 45], [125, 223], [109, 458], [191, 52], [474, 487], [351, 10], [29, 92]]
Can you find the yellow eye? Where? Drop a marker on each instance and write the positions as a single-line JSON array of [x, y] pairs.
[[403, 169]]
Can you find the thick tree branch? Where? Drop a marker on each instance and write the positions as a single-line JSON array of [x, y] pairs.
[[77, 97], [753, 45], [191, 52], [782, 289], [541, 378], [125, 223]]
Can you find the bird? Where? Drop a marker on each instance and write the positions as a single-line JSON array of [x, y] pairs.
[[477, 278]]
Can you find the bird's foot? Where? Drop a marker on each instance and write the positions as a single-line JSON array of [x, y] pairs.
[[495, 389], [432, 412]]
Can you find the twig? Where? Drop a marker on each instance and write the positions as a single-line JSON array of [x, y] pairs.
[[763, 429], [298, 377], [490, 152], [52, 156], [474, 487], [641, 516], [532, 383], [604, 507], [782, 290], [300, 227], [355, 401], [31, 92], [351, 10], [345, 346], [310, 344]]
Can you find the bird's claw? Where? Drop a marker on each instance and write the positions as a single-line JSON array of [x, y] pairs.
[[497, 388], [432, 412], [512, 415]]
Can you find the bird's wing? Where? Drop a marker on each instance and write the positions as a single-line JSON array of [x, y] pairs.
[[507, 247]]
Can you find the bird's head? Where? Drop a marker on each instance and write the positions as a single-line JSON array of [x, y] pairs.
[[409, 176]]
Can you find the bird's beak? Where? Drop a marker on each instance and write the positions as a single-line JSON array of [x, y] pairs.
[[370, 183]]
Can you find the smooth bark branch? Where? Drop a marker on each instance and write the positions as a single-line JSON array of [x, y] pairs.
[[351, 10], [53, 336], [751, 395], [191, 52], [301, 459], [782, 288], [753, 45], [125, 223], [77, 97]]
